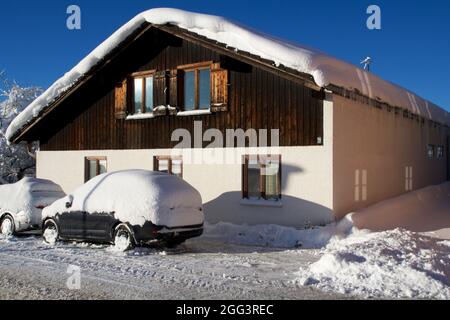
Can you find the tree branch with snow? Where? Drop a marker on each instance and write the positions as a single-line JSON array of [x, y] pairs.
[[16, 161]]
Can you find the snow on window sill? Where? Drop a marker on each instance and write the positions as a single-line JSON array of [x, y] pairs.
[[262, 203], [194, 113], [140, 116]]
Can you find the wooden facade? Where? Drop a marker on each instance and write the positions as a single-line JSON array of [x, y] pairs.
[[89, 120]]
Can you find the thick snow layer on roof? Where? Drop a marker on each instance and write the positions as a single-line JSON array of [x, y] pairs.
[[325, 69], [136, 196]]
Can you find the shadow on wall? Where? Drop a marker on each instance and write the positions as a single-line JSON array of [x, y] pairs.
[[294, 212], [288, 172]]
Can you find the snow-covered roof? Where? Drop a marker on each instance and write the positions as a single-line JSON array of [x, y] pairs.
[[326, 70]]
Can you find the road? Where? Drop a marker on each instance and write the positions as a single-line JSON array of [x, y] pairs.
[[199, 269]]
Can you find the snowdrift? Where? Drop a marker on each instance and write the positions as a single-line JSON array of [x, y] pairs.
[[423, 210], [325, 69], [390, 264], [275, 236]]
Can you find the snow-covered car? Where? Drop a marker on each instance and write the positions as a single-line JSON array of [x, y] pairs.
[[21, 203], [127, 208]]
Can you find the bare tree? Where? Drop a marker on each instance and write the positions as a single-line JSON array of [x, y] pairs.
[[16, 161]]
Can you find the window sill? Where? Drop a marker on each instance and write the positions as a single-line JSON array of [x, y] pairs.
[[194, 113], [140, 116], [262, 203]]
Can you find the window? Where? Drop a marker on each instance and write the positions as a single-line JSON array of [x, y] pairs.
[[94, 166], [430, 151], [360, 185], [261, 177], [196, 86], [440, 152], [167, 164], [142, 92], [409, 178]]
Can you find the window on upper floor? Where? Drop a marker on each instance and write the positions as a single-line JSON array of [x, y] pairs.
[[440, 152], [430, 151], [142, 93], [195, 80], [199, 86]]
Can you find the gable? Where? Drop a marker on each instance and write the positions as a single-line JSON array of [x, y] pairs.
[[117, 64], [86, 120]]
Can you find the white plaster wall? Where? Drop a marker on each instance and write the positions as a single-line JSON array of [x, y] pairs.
[[307, 180], [383, 144], [306, 183], [318, 183]]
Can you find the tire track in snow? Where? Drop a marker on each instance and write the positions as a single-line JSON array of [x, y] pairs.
[[149, 273]]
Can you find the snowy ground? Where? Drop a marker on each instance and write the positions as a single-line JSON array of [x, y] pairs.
[[254, 262], [392, 264], [200, 269]]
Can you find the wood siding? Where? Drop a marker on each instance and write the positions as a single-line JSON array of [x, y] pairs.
[[256, 99]]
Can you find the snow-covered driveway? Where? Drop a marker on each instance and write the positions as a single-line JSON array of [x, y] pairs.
[[398, 263], [201, 270]]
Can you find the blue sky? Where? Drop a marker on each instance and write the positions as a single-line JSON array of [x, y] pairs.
[[412, 48]]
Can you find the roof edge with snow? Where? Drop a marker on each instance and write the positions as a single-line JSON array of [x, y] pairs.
[[315, 68]]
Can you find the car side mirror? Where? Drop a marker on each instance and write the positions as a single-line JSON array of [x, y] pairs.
[[69, 201]]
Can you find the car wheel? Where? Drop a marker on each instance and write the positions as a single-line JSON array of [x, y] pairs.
[[50, 232], [7, 226], [123, 239]]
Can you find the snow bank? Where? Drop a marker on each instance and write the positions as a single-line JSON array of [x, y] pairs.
[[396, 263], [22, 198], [391, 264], [423, 210], [276, 236], [325, 69], [136, 196]]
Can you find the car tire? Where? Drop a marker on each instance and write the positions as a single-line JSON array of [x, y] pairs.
[[7, 226], [50, 232], [123, 238]]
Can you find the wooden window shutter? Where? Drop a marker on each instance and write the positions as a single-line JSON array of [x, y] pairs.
[[155, 164], [280, 171], [160, 89], [174, 101], [219, 88], [180, 88], [120, 108], [86, 170], [245, 162]]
